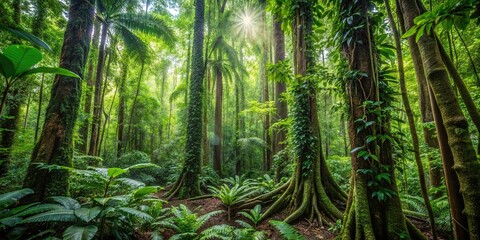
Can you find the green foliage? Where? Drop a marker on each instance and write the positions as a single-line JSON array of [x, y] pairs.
[[186, 223], [16, 61], [451, 13], [287, 231], [254, 215], [233, 193], [105, 214], [26, 36]]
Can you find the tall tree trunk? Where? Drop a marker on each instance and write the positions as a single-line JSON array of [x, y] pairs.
[[27, 111], [218, 129], [83, 145], [39, 112], [466, 165], [9, 126], [264, 78], [189, 181], [55, 144], [96, 118], [121, 110], [368, 215], [410, 118], [305, 193], [429, 134], [137, 92], [280, 135]]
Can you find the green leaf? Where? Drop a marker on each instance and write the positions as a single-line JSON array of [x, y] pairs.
[[52, 216], [410, 32], [54, 70], [76, 232], [10, 198], [136, 213], [420, 33], [144, 191], [22, 57], [87, 214], [6, 66], [27, 36], [115, 172]]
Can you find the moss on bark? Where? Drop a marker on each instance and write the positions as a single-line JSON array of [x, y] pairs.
[[56, 140]]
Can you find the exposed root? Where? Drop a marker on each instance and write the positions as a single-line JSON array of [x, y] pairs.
[[175, 188]]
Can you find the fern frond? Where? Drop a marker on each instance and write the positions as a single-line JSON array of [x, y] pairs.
[[287, 231]]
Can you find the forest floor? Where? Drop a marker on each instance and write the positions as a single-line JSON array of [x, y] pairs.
[[310, 231]]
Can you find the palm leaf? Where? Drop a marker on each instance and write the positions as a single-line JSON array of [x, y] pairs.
[[134, 45], [149, 24]]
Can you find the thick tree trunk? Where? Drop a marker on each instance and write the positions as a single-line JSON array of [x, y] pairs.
[[304, 194], [189, 181], [466, 165], [55, 144], [9, 126], [367, 216]]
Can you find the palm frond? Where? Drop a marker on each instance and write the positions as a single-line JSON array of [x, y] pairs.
[[150, 24], [179, 90], [134, 45]]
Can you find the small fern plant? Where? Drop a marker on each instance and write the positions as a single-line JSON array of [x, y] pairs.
[[187, 223], [232, 196], [254, 215], [288, 232]]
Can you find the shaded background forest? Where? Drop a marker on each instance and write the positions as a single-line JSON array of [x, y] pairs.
[[138, 113]]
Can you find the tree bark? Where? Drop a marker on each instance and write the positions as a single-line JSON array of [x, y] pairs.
[[466, 165], [410, 118], [56, 140], [98, 92], [189, 181], [83, 145], [121, 110], [367, 216]]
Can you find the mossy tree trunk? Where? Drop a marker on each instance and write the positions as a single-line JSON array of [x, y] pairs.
[[56, 140], [410, 118], [279, 135], [373, 210], [306, 194], [188, 183], [429, 134], [466, 165]]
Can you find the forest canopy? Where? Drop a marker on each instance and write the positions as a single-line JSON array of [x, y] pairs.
[[239, 119]]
